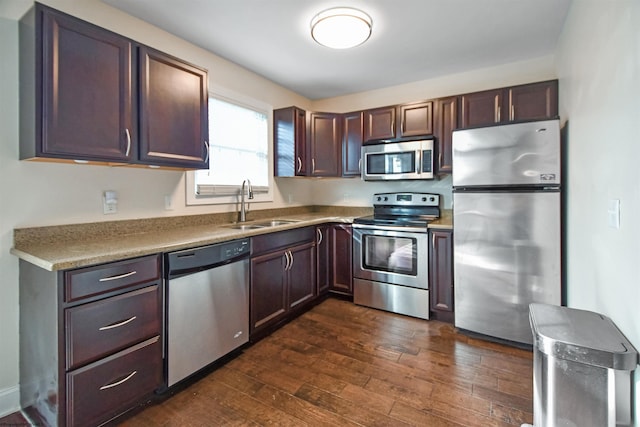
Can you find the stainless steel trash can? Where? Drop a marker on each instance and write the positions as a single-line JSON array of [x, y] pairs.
[[582, 369]]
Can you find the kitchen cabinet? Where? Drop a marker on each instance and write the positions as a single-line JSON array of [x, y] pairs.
[[341, 264], [536, 101], [79, 91], [290, 142], [174, 122], [416, 119], [441, 275], [379, 123], [103, 326], [325, 144], [352, 143], [446, 121], [283, 276], [324, 258]]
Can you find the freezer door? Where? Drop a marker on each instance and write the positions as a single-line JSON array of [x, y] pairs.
[[506, 255], [516, 154]]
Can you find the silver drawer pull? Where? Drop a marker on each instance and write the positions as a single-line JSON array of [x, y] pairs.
[[117, 383], [117, 325], [121, 276]]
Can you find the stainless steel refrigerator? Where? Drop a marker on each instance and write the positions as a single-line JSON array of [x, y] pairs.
[[507, 226]]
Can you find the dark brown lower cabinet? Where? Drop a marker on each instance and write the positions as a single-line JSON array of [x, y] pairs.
[[341, 253], [283, 277], [103, 326], [441, 275]]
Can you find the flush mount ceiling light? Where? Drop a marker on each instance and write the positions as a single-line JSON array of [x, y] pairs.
[[341, 27]]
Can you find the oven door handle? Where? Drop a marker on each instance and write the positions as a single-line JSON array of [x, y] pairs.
[[390, 228]]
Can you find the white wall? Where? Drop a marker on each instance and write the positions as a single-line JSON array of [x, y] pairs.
[[599, 71]]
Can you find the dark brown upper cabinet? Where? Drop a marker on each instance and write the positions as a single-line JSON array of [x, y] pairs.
[[380, 123], [79, 98], [416, 119], [352, 143], [290, 142], [325, 144], [446, 121], [173, 111], [536, 101]]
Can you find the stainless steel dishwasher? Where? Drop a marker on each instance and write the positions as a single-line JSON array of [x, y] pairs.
[[207, 305]]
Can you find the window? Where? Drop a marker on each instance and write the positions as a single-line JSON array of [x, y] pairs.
[[238, 150]]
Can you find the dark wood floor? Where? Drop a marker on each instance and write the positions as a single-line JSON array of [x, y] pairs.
[[342, 364]]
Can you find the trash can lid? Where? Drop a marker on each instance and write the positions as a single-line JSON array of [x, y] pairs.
[[580, 336]]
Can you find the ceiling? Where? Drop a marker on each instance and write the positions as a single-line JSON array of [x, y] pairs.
[[412, 40]]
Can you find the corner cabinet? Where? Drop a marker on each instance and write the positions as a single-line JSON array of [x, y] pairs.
[[91, 346], [88, 94], [441, 293], [352, 143], [341, 262], [290, 142], [283, 277]]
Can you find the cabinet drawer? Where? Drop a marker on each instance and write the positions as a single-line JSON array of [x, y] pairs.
[[104, 327], [282, 239], [90, 281], [104, 389]]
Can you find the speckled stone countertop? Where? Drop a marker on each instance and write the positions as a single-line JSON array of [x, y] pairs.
[[71, 246]]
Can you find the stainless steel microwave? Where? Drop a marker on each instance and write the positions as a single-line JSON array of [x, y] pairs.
[[398, 160]]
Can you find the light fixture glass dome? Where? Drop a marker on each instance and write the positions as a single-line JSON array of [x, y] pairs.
[[341, 27]]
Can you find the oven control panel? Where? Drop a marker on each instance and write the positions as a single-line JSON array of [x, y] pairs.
[[406, 199]]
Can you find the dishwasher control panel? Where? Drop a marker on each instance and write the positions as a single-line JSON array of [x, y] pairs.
[[205, 257]]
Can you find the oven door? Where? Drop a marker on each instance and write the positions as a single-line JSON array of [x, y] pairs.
[[390, 255]]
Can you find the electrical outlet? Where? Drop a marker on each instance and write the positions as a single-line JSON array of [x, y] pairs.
[[613, 213], [109, 202], [168, 203]]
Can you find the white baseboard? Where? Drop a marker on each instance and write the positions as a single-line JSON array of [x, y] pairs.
[[9, 400]]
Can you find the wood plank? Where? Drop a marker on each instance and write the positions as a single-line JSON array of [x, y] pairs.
[[343, 364]]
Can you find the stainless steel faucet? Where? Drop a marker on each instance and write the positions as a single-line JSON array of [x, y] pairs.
[[243, 208]]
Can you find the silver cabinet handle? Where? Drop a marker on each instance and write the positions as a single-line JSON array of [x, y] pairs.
[[286, 263], [319, 232], [122, 381], [360, 164], [393, 127], [126, 131], [117, 325], [299, 165], [513, 112], [206, 159], [291, 255], [313, 165], [121, 276]]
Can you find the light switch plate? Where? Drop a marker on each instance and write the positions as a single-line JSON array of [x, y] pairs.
[[109, 202], [613, 213]]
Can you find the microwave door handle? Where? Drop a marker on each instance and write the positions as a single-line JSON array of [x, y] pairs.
[[418, 168]]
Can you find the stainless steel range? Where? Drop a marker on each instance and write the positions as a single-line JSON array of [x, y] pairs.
[[390, 253]]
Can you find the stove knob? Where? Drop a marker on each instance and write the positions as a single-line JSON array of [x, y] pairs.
[[424, 199], [432, 199], [379, 198], [386, 198]]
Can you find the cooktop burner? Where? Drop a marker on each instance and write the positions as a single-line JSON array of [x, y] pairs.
[[403, 210]]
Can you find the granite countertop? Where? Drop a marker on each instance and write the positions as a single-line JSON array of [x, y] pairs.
[[72, 246]]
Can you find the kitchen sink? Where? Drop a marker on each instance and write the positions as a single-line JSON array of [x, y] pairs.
[[247, 226], [277, 222]]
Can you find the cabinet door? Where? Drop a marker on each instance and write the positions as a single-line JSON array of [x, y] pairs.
[[289, 140], [441, 274], [323, 257], [325, 144], [86, 102], [537, 101], [342, 273], [446, 112], [416, 119], [352, 144], [380, 123], [302, 274], [268, 289], [482, 108], [174, 127]]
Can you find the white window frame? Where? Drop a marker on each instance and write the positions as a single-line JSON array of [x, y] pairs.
[[220, 195]]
